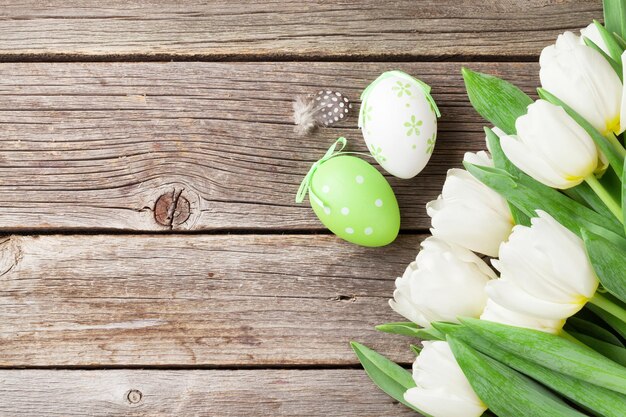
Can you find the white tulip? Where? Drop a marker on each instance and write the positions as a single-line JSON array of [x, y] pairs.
[[544, 271], [623, 112], [442, 388], [444, 282], [468, 213], [551, 147], [583, 78], [592, 33], [496, 313]]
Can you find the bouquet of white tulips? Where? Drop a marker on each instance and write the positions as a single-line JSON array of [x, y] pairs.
[[543, 332]]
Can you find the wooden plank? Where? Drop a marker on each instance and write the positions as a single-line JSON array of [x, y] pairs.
[[286, 28], [94, 146], [215, 393], [195, 299]]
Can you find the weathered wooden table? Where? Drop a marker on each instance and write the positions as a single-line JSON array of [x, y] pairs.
[[153, 261]]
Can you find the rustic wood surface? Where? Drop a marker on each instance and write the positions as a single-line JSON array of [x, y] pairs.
[[286, 28], [241, 304], [94, 146], [194, 393], [195, 300]]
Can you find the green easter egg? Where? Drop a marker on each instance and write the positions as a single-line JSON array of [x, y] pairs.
[[355, 202]]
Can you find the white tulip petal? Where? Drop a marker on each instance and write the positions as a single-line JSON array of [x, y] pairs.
[[592, 33], [523, 158], [514, 298], [498, 314], [442, 388], [438, 403], [547, 261], [470, 214], [582, 78], [623, 101], [444, 282], [480, 158]]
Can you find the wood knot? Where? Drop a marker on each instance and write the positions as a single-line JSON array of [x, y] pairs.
[[172, 209], [134, 396], [10, 254]]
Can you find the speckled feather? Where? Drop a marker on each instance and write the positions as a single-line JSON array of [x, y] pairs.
[[322, 109]]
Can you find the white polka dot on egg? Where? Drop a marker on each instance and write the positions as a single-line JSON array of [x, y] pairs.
[[325, 189], [345, 211], [327, 210], [378, 202], [368, 231], [359, 179], [349, 230]]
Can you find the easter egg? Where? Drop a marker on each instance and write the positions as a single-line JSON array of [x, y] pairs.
[[354, 201], [398, 119]]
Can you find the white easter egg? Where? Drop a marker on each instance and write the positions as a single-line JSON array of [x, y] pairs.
[[398, 119]]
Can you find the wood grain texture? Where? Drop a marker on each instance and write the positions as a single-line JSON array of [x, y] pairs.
[[195, 300], [286, 28], [93, 146], [219, 393]]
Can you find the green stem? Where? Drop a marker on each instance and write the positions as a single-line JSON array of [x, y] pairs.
[[609, 306], [606, 198], [616, 144]]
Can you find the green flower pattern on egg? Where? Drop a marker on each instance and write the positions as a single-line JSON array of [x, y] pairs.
[[399, 119], [354, 201]]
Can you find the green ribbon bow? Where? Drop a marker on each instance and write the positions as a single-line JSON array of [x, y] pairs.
[[305, 185]]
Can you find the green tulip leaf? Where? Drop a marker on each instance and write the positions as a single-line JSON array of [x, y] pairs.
[[600, 401], [496, 100], [612, 44], [615, 159], [615, 16], [528, 195], [411, 329], [501, 161], [586, 327], [615, 353], [552, 352], [506, 392], [390, 377], [624, 194], [615, 323], [608, 261]]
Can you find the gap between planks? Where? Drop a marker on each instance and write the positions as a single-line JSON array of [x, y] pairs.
[[96, 148], [206, 301], [364, 29]]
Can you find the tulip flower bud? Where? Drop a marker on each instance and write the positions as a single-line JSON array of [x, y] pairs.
[[444, 282], [551, 147], [544, 271], [470, 214], [583, 78], [442, 389], [496, 313]]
